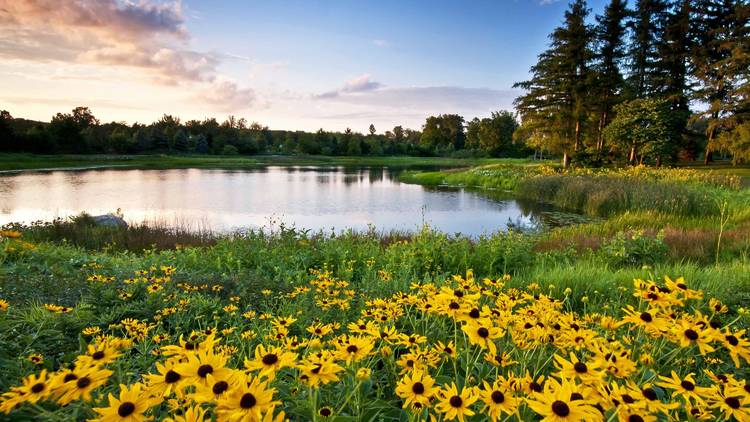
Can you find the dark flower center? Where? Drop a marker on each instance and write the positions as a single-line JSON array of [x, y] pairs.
[[628, 399], [83, 382], [689, 386], [220, 387], [691, 334], [325, 412], [98, 355], [732, 340], [497, 397], [352, 348], [483, 332], [576, 396], [560, 408], [646, 317], [270, 359], [204, 370], [126, 409], [70, 377], [417, 388], [649, 393], [635, 418], [189, 346], [456, 401], [474, 313], [580, 367], [247, 401], [316, 369], [171, 377], [732, 402], [37, 388], [534, 386], [454, 305]]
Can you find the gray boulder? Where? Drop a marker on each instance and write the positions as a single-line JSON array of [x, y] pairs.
[[109, 220]]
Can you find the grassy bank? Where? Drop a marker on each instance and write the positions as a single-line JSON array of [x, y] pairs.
[[30, 162], [386, 300]]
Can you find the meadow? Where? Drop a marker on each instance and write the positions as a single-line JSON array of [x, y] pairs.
[[639, 314]]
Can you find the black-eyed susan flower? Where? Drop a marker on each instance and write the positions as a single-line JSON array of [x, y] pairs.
[[129, 406], [269, 360], [454, 403], [247, 402], [558, 404], [499, 399], [416, 388]]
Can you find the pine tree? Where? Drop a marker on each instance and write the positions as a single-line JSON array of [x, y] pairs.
[[713, 30], [556, 101], [647, 26], [610, 39]]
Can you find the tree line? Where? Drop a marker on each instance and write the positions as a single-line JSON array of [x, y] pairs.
[[80, 132], [664, 80]]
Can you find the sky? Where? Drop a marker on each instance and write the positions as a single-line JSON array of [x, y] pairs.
[[296, 65]]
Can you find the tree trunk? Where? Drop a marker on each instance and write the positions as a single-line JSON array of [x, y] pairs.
[[632, 156], [566, 160], [658, 161], [577, 143], [600, 136]]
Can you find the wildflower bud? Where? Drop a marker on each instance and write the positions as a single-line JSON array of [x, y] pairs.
[[585, 299], [568, 291], [363, 374]]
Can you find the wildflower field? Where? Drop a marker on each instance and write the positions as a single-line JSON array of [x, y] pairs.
[[607, 320]]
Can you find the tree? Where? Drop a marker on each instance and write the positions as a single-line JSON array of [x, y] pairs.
[[7, 135], [372, 129], [720, 62], [67, 129], [554, 107], [180, 141], [648, 24], [641, 127], [611, 51], [444, 132]]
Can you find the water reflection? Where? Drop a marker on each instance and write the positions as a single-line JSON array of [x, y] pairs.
[[222, 200]]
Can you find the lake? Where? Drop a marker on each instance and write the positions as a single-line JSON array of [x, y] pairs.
[[317, 198]]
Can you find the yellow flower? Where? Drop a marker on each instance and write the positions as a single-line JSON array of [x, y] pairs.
[[191, 414], [36, 359], [498, 399], [130, 406], [202, 363], [455, 404], [556, 403], [363, 374], [247, 402], [270, 360], [86, 381], [416, 388], [3, 305]]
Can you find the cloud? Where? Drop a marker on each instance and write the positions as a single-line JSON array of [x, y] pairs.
[[362, 83], [145, 34], [441, 98], [229, 97]]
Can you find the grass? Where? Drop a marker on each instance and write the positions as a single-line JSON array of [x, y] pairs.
[[61, 296]]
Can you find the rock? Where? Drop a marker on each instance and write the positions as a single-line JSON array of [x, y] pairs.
[[109, 220]]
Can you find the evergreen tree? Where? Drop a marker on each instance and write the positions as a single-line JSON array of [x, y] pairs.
[[716, 33], [556, 100], [610, 53], [647, 27]]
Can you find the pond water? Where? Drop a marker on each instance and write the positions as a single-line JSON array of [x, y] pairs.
[[317, 198]]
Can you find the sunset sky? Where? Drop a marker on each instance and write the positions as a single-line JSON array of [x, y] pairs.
[[286, 64]]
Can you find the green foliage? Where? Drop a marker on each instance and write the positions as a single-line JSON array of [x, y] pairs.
[[630, 249], [641, 128]]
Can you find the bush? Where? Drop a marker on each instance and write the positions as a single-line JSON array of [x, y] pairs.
[[229, 150], [627, 249]]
